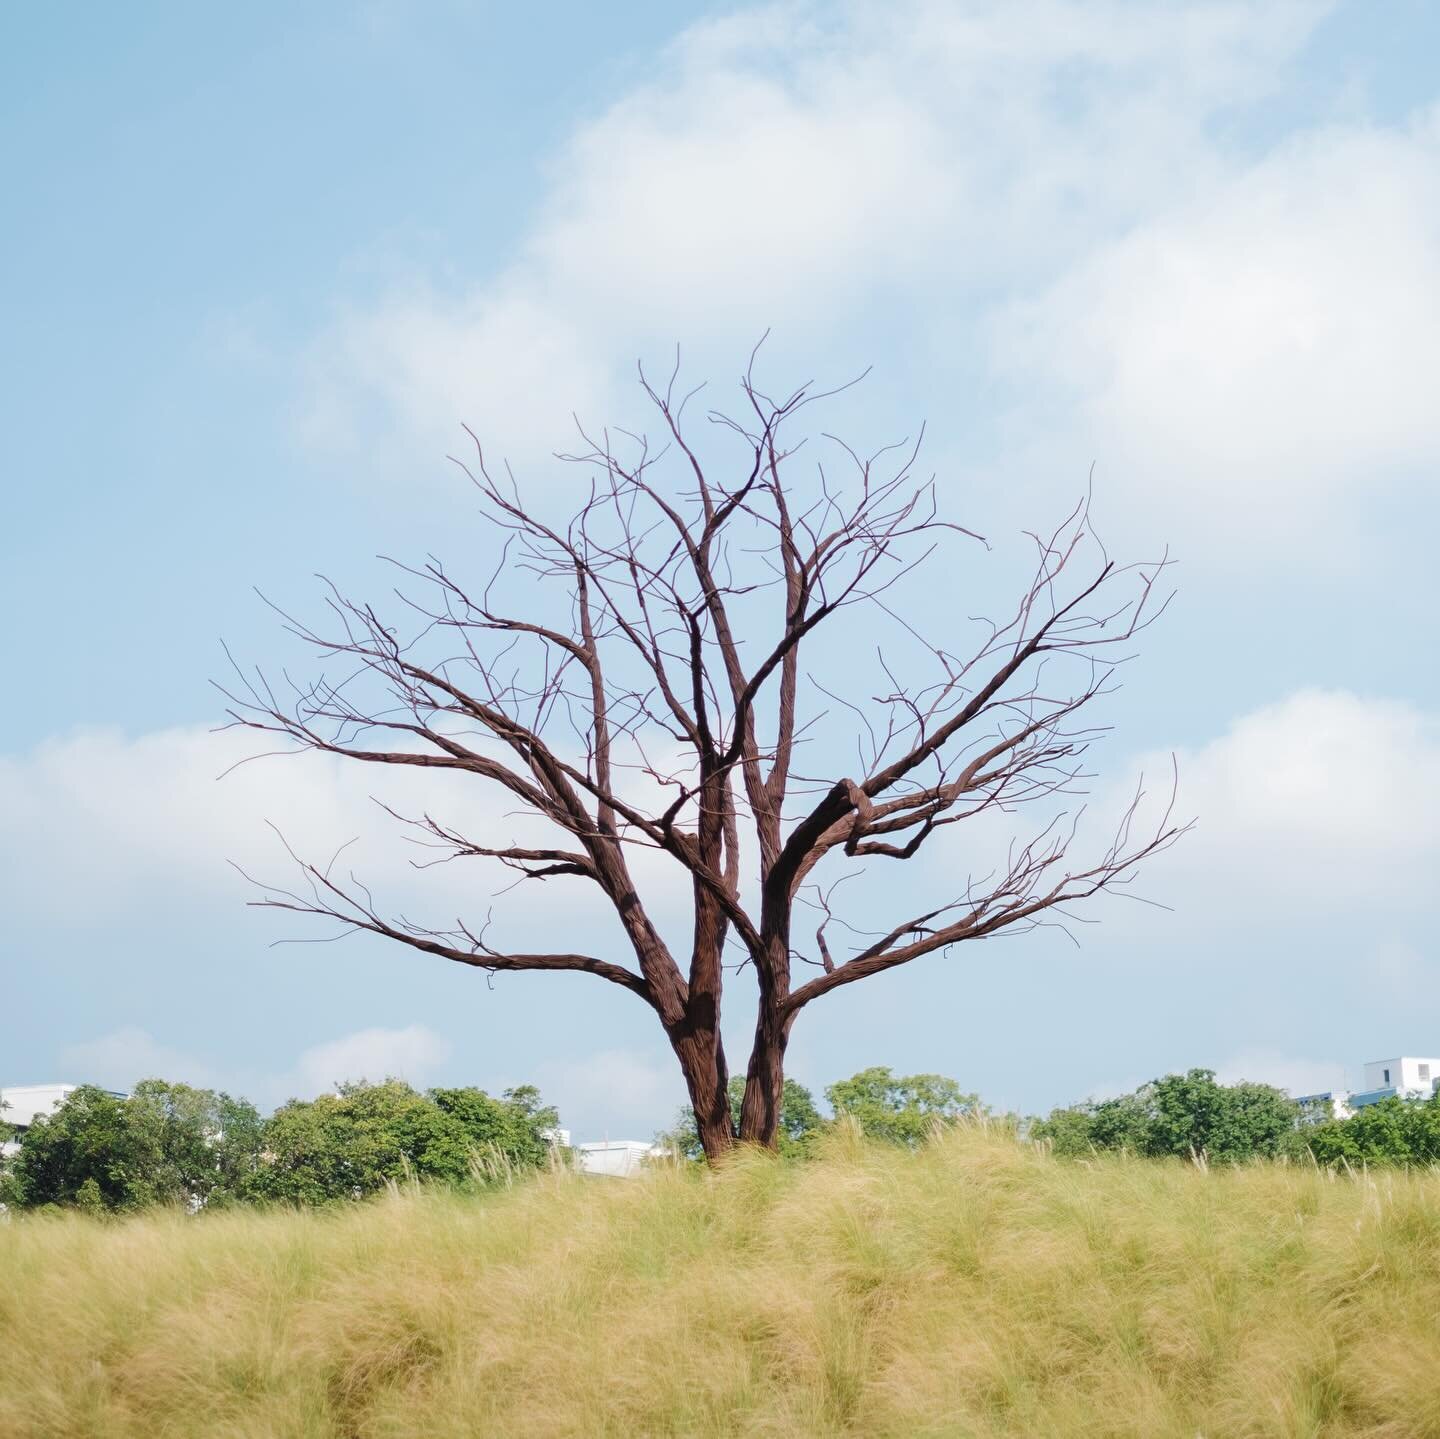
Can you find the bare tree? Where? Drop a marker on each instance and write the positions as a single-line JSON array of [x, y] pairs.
[[672, 665]]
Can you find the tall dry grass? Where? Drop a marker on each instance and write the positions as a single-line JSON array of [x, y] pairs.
[[975, 1288]]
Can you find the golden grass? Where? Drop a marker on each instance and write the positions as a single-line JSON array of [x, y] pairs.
[[977, 1288]]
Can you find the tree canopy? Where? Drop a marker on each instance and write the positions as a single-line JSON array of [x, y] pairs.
[[1392, 1131], [900, 1109], [163, 1144], [903, 1109], [194, 1148], [1180, 1114], [349, 1144]]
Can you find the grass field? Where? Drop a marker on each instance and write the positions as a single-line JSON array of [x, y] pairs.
[[975, 1288]]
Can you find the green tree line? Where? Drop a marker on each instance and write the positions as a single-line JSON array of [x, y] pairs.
[[175, 1144], [1190, 1115]]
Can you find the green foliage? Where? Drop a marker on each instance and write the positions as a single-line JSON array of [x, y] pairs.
[[900, 1109], [346, 1145], [1070, 1131], [1194, 1114], [165, 1144], [7, 1194], [515, 1125], [88, 1199], [1394, 1131], [800, 1121], [174, 1144], [1181, 1114], [89, 1145], [208, 1144], [349, 1144]]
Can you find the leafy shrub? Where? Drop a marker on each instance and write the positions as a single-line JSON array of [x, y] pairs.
[[901, 1109], [349, 1144], [1393, 1131], [1181, 1114], [174, 1144], [163, 1144]]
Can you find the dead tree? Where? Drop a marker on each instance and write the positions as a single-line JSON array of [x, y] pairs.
[[685, 600]]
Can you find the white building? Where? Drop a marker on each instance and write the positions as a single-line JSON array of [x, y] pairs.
[[618, 1158], [1402, 1078], [22, 1104]]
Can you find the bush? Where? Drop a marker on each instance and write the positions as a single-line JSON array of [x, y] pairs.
[[1394, 1131], [164, 1144], [1181, 1114], [346, 1145], [900, 1109], [173, 1144]]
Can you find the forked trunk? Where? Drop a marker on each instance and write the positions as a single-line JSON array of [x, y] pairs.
[[702, 1058]]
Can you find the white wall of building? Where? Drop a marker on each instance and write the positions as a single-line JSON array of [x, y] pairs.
[[22, 1104], [1408, 1075], [25, 1103]]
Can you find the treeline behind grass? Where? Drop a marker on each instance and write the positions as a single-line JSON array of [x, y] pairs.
[[173, 1144], [178, 1145]]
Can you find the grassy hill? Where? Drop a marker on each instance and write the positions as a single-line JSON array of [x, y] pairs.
[[975, 1288]]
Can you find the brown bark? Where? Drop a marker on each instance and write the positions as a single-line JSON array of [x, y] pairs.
[[707, 1079], [662, 654], [765, 1078]]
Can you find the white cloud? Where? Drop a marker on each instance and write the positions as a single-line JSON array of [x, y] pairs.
[[1326, 800], [131, 817], [1250, 359], [795, 166], [1041, 192], [124, 1056], [103, 828], [119, 1059], [505, 362], [1287, 1072], [1316, 813], [614, 1093], [412, 1054]]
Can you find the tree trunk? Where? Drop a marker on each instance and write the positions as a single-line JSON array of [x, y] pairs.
[[765, 1079], [702, 1060]]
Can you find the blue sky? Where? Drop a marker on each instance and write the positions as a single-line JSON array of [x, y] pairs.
[[260, 268]]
